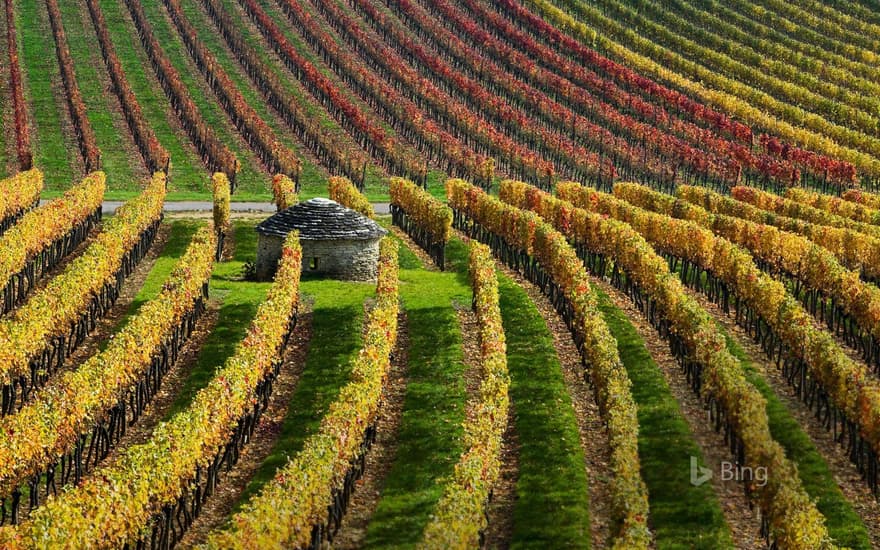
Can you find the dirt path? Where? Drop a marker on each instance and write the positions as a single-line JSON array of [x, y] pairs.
[[470, 343], [173, 380], [106, 325], [503, 497], [44, 279]]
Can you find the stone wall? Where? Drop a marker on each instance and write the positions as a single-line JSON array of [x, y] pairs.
[[340, 259], [268, 254]]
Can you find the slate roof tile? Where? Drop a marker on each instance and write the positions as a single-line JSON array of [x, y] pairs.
[[321, 219]]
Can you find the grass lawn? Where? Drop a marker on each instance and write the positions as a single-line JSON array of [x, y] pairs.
[[120, 157], [429, 438], [337, 324], [188, 174], [552, 503], [55, 150], [682, 515]]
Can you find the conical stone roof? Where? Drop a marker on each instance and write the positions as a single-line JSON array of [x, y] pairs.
[[321, 219]]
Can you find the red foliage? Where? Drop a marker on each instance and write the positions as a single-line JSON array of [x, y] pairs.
[[641, 124], [840, 174], [628, 77], [155, 156], [331, 151], [22, 132], [549, 140], [83, 128], [214, 153], [258, 134], [369, 132]]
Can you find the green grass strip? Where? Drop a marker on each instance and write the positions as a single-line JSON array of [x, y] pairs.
[[54, 151], [682, 515], [251, 178], [429, 438], [844, 524], [179, 237], [189, 177], [337, 321], [120, 158], [239, 300], [552, 505]]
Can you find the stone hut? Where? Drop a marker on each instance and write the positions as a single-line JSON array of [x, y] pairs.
[[336, 241]]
